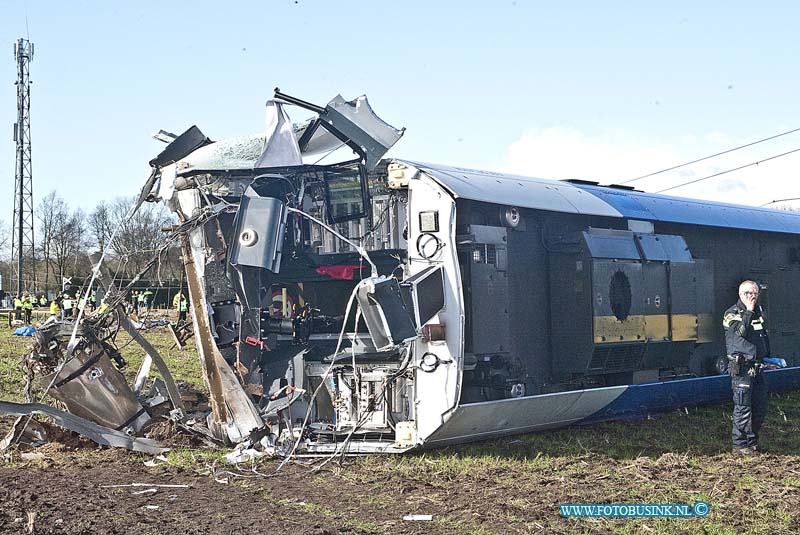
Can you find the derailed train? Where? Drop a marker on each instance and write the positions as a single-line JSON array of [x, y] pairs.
[[382, 305]]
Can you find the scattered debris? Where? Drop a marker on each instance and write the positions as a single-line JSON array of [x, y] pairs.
[[155, 461], [25, 432], [31, 520], [154, 485], [417, 518], [151, 490], [97, 433]]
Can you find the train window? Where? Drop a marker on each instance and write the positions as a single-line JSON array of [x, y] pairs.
[[346, 193], [620, 295]]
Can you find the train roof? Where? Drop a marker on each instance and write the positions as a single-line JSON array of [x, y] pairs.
[[589, 198]]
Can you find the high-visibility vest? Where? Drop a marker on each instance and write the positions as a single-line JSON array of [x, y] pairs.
[[26, 303], [182, 306], [17, 302], [42, 300], [67, 304], [53, 308]]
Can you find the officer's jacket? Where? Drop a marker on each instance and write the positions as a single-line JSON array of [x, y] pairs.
[[745, 332]]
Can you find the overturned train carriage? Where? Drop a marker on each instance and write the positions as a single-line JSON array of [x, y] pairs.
[[381, 305]]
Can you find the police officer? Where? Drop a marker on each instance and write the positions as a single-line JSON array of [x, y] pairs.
[[747, 343]]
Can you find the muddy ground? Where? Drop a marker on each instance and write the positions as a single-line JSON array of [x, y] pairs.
[[516, 491]]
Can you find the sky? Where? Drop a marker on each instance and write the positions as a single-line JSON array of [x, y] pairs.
[[604, 91]]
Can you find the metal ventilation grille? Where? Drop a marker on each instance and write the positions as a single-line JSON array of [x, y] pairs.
[[617, 358]]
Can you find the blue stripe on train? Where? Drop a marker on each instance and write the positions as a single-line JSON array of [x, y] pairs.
[[637, 401]]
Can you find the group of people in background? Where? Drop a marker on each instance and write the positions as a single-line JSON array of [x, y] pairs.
[[24, 304], [69, 304], [140, 301]]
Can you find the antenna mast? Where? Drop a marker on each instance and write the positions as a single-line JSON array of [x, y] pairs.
[[22, 239]]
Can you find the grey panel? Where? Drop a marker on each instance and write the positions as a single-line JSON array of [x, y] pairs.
[[423, 294], [258, 237], [570, 314], [662, 247], [608, 301], [676, 248], [479, 421], [487, 234], [704, 285], [613, 244], [656, 298], [682, 283], [489, 309], [385, 313], [529, 312], [516, 190]]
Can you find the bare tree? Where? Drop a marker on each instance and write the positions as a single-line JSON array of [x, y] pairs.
[[5, 241], [138, 237], [50, 209], [101, 225], [68, 243]]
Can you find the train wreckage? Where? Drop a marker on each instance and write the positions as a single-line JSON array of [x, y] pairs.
[[382, 305]]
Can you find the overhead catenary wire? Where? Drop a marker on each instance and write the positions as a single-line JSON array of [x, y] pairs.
[[711, 156], [780, 200], [728, 171]]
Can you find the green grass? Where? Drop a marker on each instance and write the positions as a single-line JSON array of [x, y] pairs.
[[12, 377]]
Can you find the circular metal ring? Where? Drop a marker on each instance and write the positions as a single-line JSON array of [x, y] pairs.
[[248, 237]]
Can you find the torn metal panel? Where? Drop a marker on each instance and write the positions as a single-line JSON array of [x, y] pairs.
[[87, 382], [185, 144], [25, 432], [354, 123], [233, 414], [142, 375], [97, 433], [105, 279], [280, 146]]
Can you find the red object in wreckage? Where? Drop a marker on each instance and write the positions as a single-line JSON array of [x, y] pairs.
[[252, 341], [345, 273]]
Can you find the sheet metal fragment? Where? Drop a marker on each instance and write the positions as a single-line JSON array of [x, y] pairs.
[[97, 433], [105, 280]]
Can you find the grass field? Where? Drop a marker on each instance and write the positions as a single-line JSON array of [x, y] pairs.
[[513, 485]]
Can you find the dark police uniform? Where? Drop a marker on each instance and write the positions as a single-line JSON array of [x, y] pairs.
[[747, 343]]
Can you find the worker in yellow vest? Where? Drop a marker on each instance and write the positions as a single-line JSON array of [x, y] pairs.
[[18, 308], [66, 307], [54, 307], [27, 307], [183, 307]]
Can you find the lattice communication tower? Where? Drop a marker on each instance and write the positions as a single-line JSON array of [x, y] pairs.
[[22, 234]]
